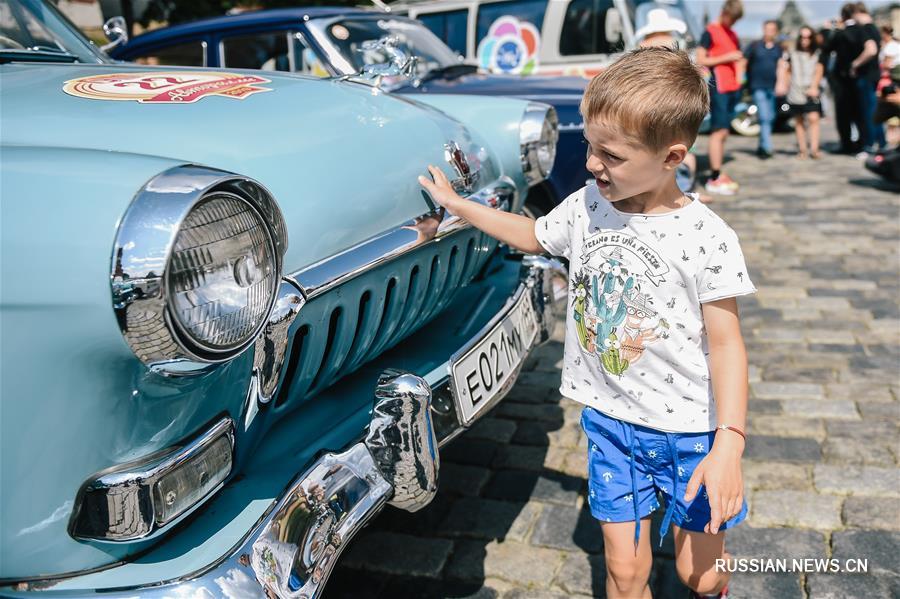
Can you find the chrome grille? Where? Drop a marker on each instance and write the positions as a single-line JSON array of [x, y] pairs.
[[338, 331]]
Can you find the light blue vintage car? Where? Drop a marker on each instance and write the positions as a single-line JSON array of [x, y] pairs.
[[233, 326]]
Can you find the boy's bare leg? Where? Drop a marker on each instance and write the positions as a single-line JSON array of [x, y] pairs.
[[717, 148], [695, 560], [627, 573]]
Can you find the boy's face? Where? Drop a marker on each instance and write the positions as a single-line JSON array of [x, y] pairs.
[[623, 169], [770, 32]]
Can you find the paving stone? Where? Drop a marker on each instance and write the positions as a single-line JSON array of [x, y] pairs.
[[518, 411], [879, 410], [862, 429], [857, 452], [756, 585], [780, 508], [793, 373], [582, 573], [858, 480], [463, 480], [744, 541], [787, 426], [768, 390], [576, 463], [830, 337], [764, 406], [521, 457], [763, 475], [480, 518], [498, 430], [569, 529], [535, 594], [844, 586], [821, 408], [784, 449], [423, 587], [860, 393], [534, 433], [872, 512], [522, 526], [519, 485], [398, 554], [880, 548], [475, 452], [513, 562]]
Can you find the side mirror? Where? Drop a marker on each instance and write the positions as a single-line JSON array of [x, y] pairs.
[[116, 31]]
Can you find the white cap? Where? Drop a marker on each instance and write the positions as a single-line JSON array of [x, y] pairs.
[[659, 21]]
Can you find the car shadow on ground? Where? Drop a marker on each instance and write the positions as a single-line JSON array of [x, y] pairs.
[[873, 182], [511, 514]]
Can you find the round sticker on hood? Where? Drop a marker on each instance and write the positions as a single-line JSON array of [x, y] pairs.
[[165, 87]]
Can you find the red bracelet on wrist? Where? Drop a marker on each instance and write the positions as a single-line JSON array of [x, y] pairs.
[[733, 428]]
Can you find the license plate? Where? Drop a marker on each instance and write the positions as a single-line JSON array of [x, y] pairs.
[[487, 370]]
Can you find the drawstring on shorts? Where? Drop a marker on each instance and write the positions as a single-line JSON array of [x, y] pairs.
[[670, 509]]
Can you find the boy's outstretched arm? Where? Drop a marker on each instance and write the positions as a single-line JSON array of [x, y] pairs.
[[720, 470], [515, 230]]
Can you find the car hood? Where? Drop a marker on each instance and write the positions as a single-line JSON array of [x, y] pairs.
[[320, 146]]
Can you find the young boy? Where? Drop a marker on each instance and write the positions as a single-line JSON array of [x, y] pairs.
[[652, 330]]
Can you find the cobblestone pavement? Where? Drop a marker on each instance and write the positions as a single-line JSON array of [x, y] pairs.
[[821, 463]]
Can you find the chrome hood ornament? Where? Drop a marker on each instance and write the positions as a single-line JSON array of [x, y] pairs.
[[467, 178]]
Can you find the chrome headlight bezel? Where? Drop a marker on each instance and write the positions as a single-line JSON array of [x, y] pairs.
[[538, 136], [141, 257]]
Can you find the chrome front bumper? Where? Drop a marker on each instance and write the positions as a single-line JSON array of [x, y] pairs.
[[293, 548]]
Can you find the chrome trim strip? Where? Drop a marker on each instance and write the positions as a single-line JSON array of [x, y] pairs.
[[566, 127], [143, 245], [322, 276], [271, 345], [125, 492]]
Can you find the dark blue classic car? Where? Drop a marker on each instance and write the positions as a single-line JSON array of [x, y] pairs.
[[341, 41]]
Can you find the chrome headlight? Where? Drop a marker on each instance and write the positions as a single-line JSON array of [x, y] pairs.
[[538, 133], [196, 267]]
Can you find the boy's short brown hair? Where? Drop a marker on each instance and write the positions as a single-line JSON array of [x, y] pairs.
[[654, 96]]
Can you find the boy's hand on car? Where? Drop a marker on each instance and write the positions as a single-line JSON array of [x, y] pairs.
[[720, 473], [440, 190]]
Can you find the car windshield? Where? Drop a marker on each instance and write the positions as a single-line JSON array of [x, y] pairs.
[[675, 9], [348, 36], [30, 28]]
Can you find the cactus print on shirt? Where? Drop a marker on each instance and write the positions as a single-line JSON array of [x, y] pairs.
[[635, 347]]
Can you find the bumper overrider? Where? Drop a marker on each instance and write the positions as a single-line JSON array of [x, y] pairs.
[[293, 548]]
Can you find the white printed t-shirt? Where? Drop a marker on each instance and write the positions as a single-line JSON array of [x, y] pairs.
[[636, 348]]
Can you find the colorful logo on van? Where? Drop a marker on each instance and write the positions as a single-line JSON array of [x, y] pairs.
[[511, 46]]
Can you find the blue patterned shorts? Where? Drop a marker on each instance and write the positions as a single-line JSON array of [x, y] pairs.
[[621, 490]]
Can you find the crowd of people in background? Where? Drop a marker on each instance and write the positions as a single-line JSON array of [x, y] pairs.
[[857, 63]]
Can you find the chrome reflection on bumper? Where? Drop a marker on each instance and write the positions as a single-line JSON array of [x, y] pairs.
[[402, 440]]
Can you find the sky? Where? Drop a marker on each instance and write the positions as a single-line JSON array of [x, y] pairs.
[[757, 11]]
